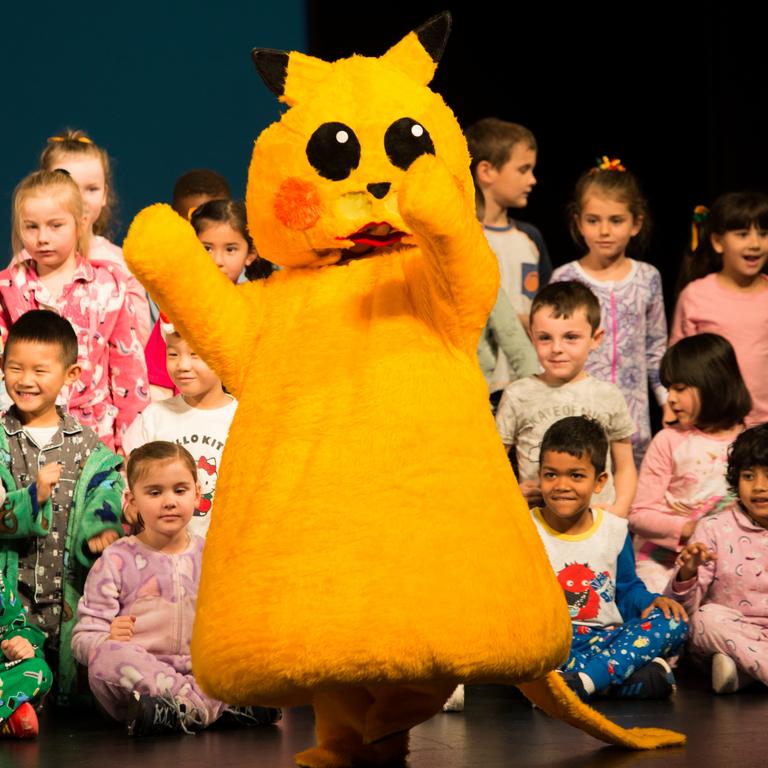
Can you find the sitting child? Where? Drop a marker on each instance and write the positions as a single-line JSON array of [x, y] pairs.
[[720, 578], [621, 631], [135, 618], [197, 418], [565, 326], [64, 487], [25, 675]]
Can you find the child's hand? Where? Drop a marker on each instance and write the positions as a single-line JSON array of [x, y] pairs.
[[17, 648], [100, 542], [130, 514], [47, 477], [691, 558], [531, 490], [669, 607], [121, 629]]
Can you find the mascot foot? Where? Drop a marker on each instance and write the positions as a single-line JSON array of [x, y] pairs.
[[390, 752]]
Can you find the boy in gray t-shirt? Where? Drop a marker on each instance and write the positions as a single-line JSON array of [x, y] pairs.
[[565, 326]]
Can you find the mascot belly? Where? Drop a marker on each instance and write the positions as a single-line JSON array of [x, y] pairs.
[[369, 547]]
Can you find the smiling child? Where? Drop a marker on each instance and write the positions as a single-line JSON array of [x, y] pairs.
[[621, 631]]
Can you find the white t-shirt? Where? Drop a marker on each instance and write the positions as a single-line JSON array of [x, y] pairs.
[[202, 431], [529, 407]]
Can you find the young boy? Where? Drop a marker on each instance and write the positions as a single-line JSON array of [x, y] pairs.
[[64, 487], [565, 327], [503, 159], [198, 418], [621, 631]]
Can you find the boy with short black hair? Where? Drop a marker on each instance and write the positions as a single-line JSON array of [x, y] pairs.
[[64, 486], [565, 327], [621, 631]]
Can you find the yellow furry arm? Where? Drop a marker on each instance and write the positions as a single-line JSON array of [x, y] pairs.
[[209, 312], [462, 269]]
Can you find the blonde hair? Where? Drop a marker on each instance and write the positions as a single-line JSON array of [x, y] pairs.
[[78, 143], [57, 184]]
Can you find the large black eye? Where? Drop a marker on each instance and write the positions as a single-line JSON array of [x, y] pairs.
[[334, 151], [405, 140]]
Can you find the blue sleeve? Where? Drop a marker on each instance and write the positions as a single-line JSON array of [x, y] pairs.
[[545, 263], [632, 598]]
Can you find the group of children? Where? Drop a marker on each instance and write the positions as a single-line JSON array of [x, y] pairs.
[[79, 354], [94, 373], [644, 561]]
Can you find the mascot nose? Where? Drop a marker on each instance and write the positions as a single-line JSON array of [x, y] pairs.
[[379, 190]]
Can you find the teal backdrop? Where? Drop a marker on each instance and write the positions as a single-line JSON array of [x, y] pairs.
[[164, 86]]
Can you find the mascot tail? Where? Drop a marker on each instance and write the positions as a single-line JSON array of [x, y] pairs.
[[553, 696]]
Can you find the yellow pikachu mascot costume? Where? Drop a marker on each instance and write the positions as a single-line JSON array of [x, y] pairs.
[[369, 547]]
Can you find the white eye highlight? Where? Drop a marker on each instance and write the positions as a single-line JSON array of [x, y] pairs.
[[342, 137], [417, 130]]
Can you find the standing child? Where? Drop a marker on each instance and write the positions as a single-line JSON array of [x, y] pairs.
[[682, 478], [222, 228], [135, 618], [609, 219], [90, 167], [198, 418], [565, 326], [503, 160], [726, 291], [720, 577], [64, 487], [50, 238], [621, 631]]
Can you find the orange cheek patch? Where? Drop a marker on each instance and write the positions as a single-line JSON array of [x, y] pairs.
[[297, 204]]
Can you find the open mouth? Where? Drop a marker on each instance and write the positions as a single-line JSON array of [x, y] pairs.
[[375, 235]]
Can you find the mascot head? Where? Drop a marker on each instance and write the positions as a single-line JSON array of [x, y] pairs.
[[323, 182]]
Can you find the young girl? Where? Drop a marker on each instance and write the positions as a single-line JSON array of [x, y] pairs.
[[89, 165], [50, 271], [198, 417], [720, 576], [136, 614], [726, 292], [608, 219], [222, 228], [682, 477]]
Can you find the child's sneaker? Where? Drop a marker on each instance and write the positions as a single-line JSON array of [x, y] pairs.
[[653, 681], [245, 716], [146, 715], [726, 676], [22, 724], [576, 684], [455, 701]]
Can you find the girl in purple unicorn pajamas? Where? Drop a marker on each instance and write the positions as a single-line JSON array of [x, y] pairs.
[[136, 614]]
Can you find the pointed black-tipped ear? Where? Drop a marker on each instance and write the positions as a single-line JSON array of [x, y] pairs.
[[433, 34], [272, 65]]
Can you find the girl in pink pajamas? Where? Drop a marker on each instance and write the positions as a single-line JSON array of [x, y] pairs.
[[682, 477], [50, 271], [136, 614], [721, 575]]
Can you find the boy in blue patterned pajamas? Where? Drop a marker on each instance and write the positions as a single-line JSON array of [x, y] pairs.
[[621, 631]]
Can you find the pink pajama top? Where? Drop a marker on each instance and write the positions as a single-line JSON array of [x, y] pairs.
[[112, 389], [707, 306]]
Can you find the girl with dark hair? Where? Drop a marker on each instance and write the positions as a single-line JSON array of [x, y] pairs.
[[609, 222], [725, 288], [720, 575], [682, 477]]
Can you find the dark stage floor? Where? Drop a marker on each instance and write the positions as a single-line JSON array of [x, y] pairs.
[[498, 729]]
